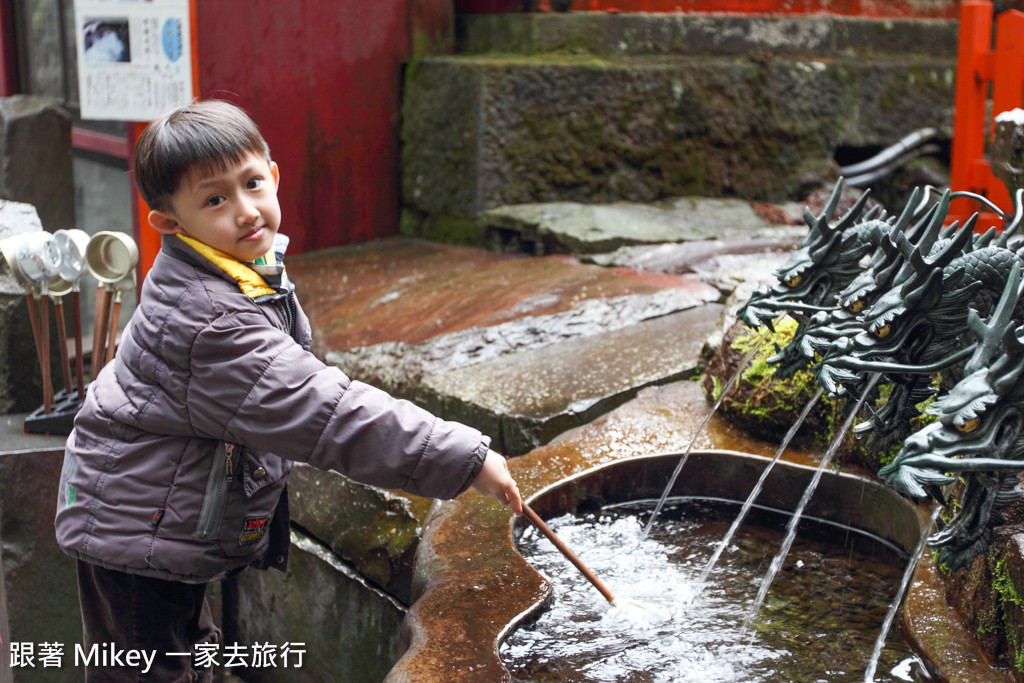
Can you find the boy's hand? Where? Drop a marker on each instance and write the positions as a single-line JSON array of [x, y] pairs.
[[495, 481]]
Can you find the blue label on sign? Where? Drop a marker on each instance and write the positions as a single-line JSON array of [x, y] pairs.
[[172, 39]]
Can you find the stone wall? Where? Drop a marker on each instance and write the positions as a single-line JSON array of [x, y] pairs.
[[594, 108], [35, 158], [38, 587]]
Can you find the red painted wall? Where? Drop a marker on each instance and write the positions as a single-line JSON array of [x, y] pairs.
[[322, 80]]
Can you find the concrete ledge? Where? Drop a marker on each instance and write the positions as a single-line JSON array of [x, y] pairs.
[[38, 585], [374, 529], [347, 630]]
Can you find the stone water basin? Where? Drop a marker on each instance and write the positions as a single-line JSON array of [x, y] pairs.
[[474, 588]]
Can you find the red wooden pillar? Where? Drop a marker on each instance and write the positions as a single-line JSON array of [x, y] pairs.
[[10, 82], [322, 79], [978, 66], [967, 166]]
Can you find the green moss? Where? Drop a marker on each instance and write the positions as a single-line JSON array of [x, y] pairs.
[[771, 403], [716, 388], [1008, 594], [761, 372], [1003, 584], [446, 229]]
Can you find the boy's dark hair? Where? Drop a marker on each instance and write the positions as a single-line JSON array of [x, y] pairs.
[[208, 136]]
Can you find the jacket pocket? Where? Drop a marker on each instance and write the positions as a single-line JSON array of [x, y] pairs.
[[260, 470], [255, 487], [215, 499]]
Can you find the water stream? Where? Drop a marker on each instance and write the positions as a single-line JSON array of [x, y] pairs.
[[700, 430], [794, 521], [894, 606], [818, 626], [756, 491]]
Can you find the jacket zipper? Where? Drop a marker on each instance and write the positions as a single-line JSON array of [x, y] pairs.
[[289, 307], [211, 513], [229, 466]]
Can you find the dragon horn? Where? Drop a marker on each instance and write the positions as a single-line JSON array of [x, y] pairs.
[[984, 240], [956, 246], [1006, 370], [822, 236], [909, 211], [990, 334], [851, 216], [876, 212], [820, 223]]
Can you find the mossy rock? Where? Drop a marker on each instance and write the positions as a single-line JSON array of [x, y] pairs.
[[767, 407], [759, 402]]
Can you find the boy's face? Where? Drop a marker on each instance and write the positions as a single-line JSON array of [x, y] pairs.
[[235, 211]]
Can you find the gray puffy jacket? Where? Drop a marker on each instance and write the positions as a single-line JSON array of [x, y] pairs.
[[179, 456]]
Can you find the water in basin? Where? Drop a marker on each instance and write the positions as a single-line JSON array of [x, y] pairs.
[[818, 623]]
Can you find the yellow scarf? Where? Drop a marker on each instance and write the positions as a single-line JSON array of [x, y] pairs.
[[249, 281]]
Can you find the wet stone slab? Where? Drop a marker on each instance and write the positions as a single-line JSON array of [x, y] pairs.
[[396, 311], [525, 400], [576, 228]]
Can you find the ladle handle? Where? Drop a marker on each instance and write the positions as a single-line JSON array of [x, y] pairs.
[[115, 315], [99, 328], [37, 332], [44, 346], [62, 342], [76, 311], [564, 549]]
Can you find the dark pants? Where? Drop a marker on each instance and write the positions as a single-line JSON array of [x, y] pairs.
[[124, 612]]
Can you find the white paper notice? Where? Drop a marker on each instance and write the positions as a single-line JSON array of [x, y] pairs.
[[134, 58]]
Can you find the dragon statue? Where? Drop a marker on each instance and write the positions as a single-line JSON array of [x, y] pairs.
[[815, 335], [827, 260], [979, 435], [918, 328]]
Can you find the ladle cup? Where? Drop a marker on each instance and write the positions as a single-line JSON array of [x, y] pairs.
[[72, 245], [111, 257]]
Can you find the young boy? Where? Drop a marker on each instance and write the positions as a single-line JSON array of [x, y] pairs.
[[174, 475]]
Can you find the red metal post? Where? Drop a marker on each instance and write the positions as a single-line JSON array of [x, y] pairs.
[[1008, 63], [980, 65]]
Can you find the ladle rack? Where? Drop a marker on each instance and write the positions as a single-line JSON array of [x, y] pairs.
[[49, 267]]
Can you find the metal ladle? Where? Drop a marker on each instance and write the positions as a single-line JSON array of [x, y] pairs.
[[72, 245], [111, 258], [35, 261]]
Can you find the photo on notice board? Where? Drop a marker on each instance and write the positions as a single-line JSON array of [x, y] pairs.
[[106, 40]]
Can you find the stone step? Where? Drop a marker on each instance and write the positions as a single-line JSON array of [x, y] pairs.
[[484, 131], [589, 229], [701, 34]]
